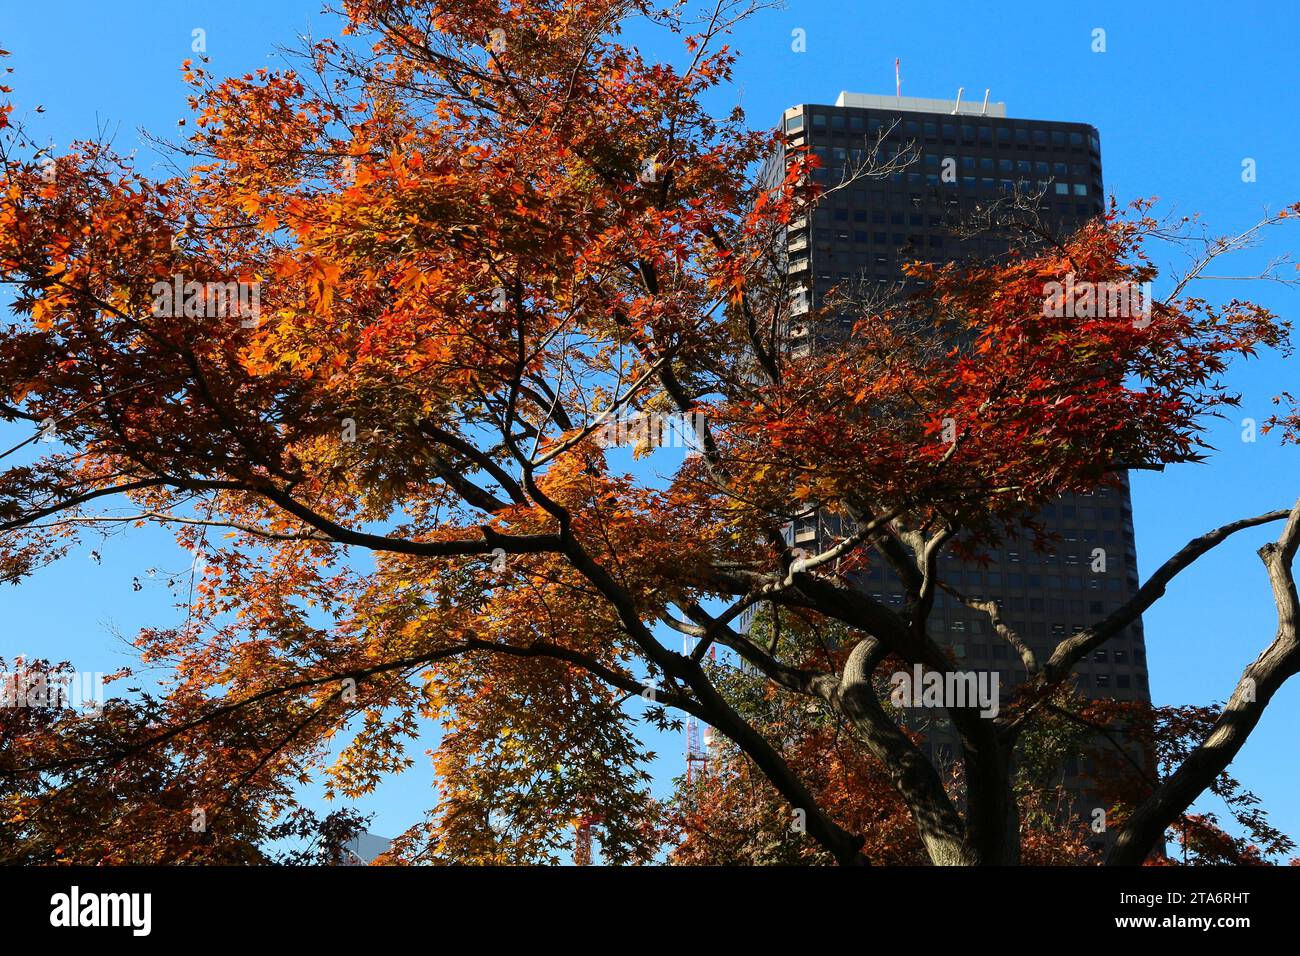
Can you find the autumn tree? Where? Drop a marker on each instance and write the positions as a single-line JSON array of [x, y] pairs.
[[726, 813], [361, 352], [154, 800]]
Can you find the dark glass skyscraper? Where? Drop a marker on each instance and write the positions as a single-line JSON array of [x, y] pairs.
[[952, 162]]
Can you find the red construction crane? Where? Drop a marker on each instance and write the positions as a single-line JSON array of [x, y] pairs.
[[697, 753], [582, 838]]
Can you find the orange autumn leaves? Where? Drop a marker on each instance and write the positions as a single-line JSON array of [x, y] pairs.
[[466, 257]]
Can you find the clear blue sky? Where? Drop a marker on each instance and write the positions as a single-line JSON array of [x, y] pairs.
[[1184, 92]]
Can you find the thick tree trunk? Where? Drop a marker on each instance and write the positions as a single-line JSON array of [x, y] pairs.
[[937, 820]]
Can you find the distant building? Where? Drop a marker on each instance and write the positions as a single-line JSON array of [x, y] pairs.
[[363, 850]]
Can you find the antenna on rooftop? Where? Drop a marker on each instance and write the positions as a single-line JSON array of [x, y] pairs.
[[898, 79], [957, 105], [985, 108]]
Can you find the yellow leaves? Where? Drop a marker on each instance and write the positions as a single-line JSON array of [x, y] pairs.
[[42, 315], [323, 283], [413, 278]]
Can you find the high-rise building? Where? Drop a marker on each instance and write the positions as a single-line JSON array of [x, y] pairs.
[[950, 160], [362, 849]]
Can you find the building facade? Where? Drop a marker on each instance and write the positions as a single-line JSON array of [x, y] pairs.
[[950, 161]]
